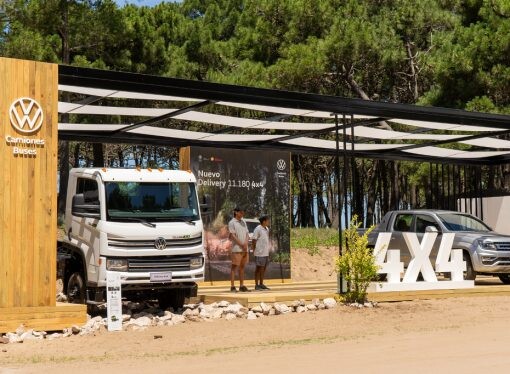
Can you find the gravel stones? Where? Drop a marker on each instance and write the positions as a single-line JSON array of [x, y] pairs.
[[139, 316]]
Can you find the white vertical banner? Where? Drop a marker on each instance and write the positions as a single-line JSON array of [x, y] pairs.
[[114, 301]]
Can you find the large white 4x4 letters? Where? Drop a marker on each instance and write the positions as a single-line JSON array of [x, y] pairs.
[[447, 261]]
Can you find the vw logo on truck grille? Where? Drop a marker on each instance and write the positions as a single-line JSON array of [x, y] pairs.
[[160, 243]]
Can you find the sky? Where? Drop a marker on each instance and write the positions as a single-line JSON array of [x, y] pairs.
[[142, 2]]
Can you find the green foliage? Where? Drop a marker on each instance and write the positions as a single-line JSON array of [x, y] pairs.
[[311, 239], [281, 257], [357, 263]]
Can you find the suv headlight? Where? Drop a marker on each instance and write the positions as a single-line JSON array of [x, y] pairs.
[[116, 264], [196, 262], [487, 245]]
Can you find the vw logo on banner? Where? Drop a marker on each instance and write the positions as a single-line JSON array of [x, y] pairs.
[[281, 165], [26, 115], [160, 243]]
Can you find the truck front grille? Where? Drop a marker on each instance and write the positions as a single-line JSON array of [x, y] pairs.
[[503, 246], [160, 263], [150, 244]]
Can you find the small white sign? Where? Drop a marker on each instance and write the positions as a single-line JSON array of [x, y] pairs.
[[114, 301], [161, 277]]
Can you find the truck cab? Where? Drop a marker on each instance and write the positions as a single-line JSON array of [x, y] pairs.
[[143, 223]]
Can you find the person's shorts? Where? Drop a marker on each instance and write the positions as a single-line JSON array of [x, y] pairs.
[[239, 258], [261, 260]]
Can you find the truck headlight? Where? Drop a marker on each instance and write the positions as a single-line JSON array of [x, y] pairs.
[[487, 245], [116, 264], [195, 262]]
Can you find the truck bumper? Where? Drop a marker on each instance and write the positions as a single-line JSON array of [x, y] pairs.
[[491, 262], [142, 280]]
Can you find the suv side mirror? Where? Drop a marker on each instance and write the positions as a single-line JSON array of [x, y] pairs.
[[80, 209], [431, 229]]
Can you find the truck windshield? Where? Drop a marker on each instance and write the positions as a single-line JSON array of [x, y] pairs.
[[462, 222], [151, 201]]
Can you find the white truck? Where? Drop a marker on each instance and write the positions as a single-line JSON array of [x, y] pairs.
[[143, 223]]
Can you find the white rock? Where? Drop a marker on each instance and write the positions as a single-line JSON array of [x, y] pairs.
[[311, 307], [223, 304], [75, 330], [329, 303], [230, 316], [39, 333], [216, 313], [295, 303], [302, 302], [29, 336], [233, 308], [143, 321], [256, 309], [190, 313], [13, 337], [168, 323], [55, 335], [272, 312], [265, 308], [300, 309], [251, 315], [167, 317], [177, 318], [126, 317], [282, 308], [20, 330], [316, 302], [321, 306], [204, 313], [259, 315]]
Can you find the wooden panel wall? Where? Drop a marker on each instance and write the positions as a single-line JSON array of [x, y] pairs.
[[28, 189]]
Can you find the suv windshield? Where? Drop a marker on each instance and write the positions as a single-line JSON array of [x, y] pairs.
[[462, 222], [151, 201]]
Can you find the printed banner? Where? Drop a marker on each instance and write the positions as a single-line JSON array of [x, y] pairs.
[[259, 181]]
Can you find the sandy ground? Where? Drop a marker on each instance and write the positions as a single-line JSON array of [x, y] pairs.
[[319, 267], [455, 335]]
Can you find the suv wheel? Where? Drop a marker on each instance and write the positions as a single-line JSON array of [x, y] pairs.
[[470, 273], [76, 289], [505, 278]]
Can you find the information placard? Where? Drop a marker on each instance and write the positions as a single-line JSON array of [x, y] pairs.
[[114, 301]]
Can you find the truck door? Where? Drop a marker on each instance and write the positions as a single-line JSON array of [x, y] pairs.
[[84, 229], [422, 222], [403, 223]]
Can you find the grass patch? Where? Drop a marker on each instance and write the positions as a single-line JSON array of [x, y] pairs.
[[311, 239]]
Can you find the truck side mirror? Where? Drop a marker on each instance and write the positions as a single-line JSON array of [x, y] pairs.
[[80, 209]]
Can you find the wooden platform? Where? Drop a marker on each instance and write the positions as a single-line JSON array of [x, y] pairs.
[[43, 318], [288, 292]]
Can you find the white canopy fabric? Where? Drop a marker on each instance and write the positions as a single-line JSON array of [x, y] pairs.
[[296, 124]]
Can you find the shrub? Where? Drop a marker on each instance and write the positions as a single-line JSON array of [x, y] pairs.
[[357, 263]]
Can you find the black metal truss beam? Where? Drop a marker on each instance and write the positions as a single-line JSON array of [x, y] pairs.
[[119, 81]]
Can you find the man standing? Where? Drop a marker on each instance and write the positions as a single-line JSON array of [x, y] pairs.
[[239, 236], [261, 245]]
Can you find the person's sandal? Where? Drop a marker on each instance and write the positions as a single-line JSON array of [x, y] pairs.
[[264, 287], [244, 289], [233, 289]]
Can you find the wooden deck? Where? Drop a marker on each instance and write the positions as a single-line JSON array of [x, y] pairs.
[[43, 318], [288, 292]]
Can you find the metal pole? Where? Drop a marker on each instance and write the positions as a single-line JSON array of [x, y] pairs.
[[437, 186], [431, 194], [448, 185], [481, 193], [346, 174], [340, 281]]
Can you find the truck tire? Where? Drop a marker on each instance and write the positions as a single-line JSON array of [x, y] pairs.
[[76, 292], [172, 298], [505, 278], [470, 273]]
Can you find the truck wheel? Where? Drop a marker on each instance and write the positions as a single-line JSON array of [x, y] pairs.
[[76, 289], [505, 278], [470, 273], [172, 298]]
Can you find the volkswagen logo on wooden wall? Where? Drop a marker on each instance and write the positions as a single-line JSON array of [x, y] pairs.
[[160, 243], [26, 115]]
